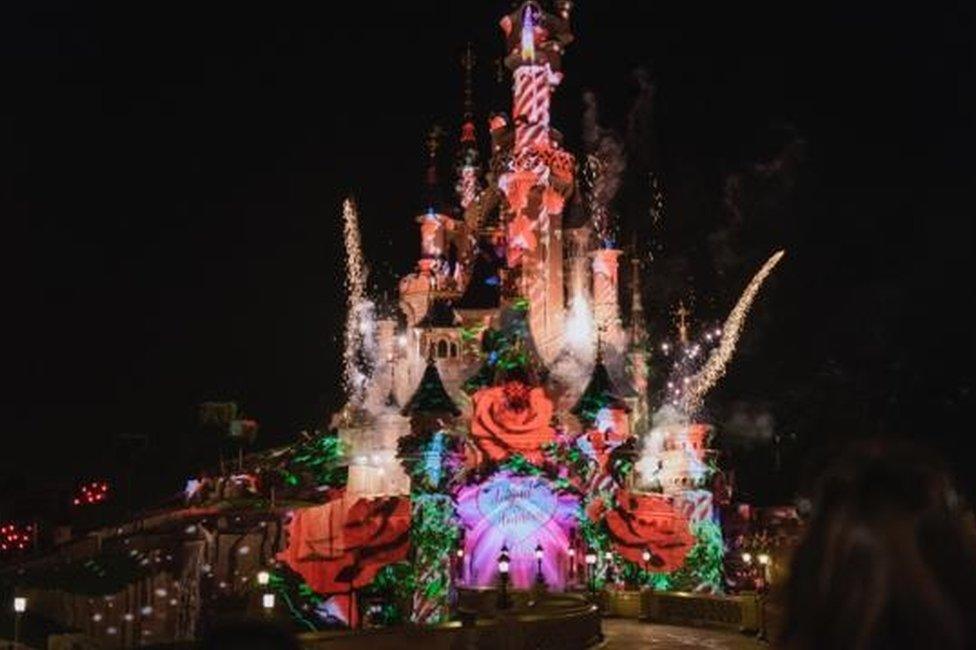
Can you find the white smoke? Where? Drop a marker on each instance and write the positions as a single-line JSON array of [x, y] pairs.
[[606, 162], [574, 363], [648, 465], [750, 423]]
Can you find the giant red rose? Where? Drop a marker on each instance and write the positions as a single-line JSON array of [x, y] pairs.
[[649, 521], [512, 419], [340, 546]]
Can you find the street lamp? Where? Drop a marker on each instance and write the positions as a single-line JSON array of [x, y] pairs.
[[263, 578], [764, 561], [459, 554], [504, 564], [646, 556], [20, 606], [608, 556], [539, 553], [590, 563], [572, 563], [268, 602]]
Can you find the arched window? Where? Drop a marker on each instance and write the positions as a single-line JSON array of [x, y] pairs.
[[454, 350], [442, 349]]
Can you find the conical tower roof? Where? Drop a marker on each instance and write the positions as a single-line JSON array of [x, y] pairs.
[[430, 397], [600, 393]]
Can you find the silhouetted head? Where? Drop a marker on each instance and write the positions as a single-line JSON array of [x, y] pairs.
[[249, 635], [888, 559]]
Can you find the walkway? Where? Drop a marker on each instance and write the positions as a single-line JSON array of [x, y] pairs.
[[624, 634]]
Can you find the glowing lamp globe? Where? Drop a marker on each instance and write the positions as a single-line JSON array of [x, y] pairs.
[[608, 556], [504, 561], [646, 555], [263, 577], [460, 552], [539, 552], [572, 552], [747, 558], [268, 601], [20, 604], [590, 558], [763, 559]]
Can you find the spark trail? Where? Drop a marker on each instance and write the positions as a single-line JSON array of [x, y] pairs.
[[714, 369], [359, 353]]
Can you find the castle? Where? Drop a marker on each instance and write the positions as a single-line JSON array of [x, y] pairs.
[[512, 339], [499, 431]]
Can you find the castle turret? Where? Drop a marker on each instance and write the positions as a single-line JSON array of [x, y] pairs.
[[430, 408], [601, 406], [539, 175], [443, 243], [606, 292]]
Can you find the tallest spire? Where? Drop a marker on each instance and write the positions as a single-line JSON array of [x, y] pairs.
[[534, 37]]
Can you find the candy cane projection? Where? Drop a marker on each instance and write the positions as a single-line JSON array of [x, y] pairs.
[[540, 174]]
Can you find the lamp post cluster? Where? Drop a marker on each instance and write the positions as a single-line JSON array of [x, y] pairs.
[[267, 598]]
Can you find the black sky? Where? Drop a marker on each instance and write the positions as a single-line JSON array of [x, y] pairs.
[[173, 176]]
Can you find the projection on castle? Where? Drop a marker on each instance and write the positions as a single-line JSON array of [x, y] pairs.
[[507, 405]]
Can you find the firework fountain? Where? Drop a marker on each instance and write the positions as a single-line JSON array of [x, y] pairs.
[[359, 352]]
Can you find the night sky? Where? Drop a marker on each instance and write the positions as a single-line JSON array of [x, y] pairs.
[[172, 181]]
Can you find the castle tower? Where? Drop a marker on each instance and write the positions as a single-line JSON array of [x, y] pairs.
[[540, 175], [443, 243], [606, 293]]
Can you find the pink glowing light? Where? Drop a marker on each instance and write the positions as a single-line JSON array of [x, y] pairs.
[[521, 512]]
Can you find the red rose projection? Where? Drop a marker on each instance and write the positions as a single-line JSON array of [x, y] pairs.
[[340, 546], [512, 419], [649, 521]]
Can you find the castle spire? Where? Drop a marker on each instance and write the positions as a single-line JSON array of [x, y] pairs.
[[433, 192], [638, 323], [468, 169], [467, 63], [682, 314]]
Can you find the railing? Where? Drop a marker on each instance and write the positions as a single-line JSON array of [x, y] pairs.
[[557, 624], [735, 612]]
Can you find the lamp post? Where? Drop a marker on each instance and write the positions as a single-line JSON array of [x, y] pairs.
[[608, 556], [572, 564], [504, 563], [539, 553], [460, 563], [764, 561], [590, 566], [20, 606], [646, 556], [268, 602]]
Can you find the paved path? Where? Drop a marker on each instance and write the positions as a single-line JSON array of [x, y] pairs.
[[624, 634]]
